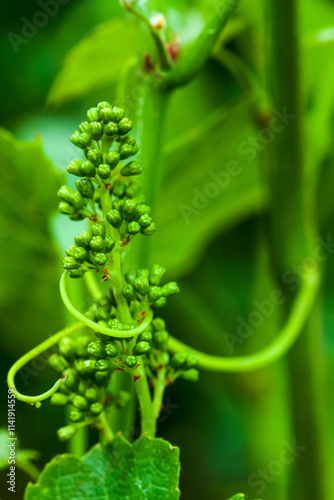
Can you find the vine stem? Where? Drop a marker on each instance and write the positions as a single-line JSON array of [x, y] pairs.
[[293, 231], [30, 355], [139, 374], [300, 311]]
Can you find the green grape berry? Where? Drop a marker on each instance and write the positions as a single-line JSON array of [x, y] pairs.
[[154, 293], [95, 409], [145, 336], [75, 416], [94, 156], [145, 221], [132, 168], [141, 285], [130, 361], [105, 114], [83, 239], [84, 127], [99, 259], [70, 263], [74, 168], [97, 244], [156, 274], [112, 159], [91, 395], [80, 254], [59, 399], [109, 244], [179, 360], [87, 169], [65, 193], [141, 348], [149, 230], [125, 151], [129, 292], [77, 273], [93, 114], [170, 289], [96, 130], [133, 228], [124, 126], [111, 128], [70, 375], [104, 171], [65, 433], [160, 339], [103, 365], [114, 218], [57, 362], [96, 349], [80, 403], [85, 188], [111, 350], [66, 209], [66, 348], [190, 375], [118, 113], [98, 229]]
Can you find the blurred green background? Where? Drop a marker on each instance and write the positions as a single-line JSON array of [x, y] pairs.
[[231, 428]]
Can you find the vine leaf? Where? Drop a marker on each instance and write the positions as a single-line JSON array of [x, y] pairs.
[[148, 469], [214, 185], [28, 266], [95, 61]]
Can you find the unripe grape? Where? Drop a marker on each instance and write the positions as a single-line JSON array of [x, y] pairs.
[[112, 159], [130, 361], [97, 244], [111, 128], [133, 228], [83, 239], [114, 218], [111, 350], [141, 348], [124, 126], [95, 409], [98, 229], [104, 171], [96, 130], [132, 168]]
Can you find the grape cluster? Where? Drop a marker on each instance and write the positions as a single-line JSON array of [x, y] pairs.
[[106, 142]]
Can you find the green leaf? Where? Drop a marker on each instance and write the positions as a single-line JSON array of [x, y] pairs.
[[212, 183], [29, 299], [95, 61], [148, 469]]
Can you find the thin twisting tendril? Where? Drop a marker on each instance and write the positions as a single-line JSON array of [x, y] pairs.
[[288, 335], [30, 355], [122, 334]]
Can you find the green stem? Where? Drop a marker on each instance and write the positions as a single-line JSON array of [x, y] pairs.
[[94, 326], [293, 239], [300, 311], [151, 113], [54, 339], [78, 444], [105, 428], [148, 419], [159, 389]]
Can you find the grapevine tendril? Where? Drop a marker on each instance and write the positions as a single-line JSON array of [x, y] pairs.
[[123, 334]]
